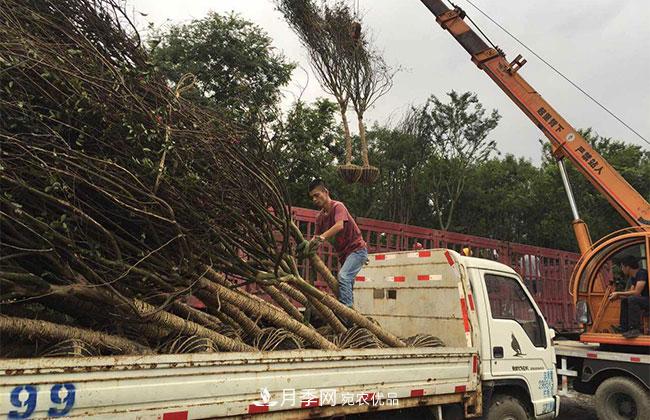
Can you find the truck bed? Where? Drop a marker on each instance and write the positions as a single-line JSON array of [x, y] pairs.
[[300, 383]]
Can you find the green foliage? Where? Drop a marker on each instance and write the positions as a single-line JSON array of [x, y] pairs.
[[233, 60], [631, 161], [498, 199], [305, 146], [457, 133], [513, 200]]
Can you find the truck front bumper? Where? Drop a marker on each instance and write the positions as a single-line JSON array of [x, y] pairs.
[[552, 414]]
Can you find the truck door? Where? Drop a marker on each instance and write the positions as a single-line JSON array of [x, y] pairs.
[[519, 343]]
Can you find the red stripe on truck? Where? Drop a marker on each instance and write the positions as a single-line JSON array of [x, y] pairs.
[[399, 279], [360, 278], [471, 301], [380, 257], [592, 355], [176, 415], [310, 403], [423, 254], [417, 392], [635, 359], [460, 388], [463, 309], [255, 409], [449, 259], [475, 364]]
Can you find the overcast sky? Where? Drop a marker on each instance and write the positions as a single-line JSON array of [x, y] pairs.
[[600, 44]]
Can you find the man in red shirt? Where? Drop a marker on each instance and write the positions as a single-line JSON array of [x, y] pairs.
[[335, 224]]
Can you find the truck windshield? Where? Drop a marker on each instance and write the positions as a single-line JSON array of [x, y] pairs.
[[509, 301]]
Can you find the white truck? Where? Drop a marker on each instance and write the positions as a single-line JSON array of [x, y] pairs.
[[496, 360]]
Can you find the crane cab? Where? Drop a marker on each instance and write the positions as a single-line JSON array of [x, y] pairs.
[[597, 275]]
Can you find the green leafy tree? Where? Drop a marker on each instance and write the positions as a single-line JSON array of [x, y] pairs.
[[402, 156], [304, 146], [457, 133], [497, 200], [233, 61]]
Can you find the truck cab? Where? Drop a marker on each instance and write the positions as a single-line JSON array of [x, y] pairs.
[[474, 303]]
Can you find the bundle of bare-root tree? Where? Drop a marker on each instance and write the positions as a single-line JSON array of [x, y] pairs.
[[119, 199], [347, 66]]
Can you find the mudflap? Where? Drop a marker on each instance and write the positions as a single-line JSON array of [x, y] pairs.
[[473, 404]]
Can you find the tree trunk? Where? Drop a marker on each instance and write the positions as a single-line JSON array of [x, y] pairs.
[[179, 325], [346, 133], [162, 319], [269, 313], [293, 293], [349, 313], [327, 275], [217, 304], [364, 141], [194, 315], [283, 302], [317, 263], [327, 314], [219, 278], [31, 329]]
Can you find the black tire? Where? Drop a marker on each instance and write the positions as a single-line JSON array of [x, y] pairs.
[[506, 407], [622, 399]]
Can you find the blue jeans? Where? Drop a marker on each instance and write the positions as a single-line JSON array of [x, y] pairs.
[[348, 273]]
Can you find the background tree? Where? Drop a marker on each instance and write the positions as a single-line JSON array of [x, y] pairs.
[[402, 154], [237, 71], [498, 200], [511, 199], [458, 136], [303, 146], [554, 215], [236, 68]]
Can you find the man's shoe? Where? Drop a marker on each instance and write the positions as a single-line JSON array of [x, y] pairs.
[[633, 333]]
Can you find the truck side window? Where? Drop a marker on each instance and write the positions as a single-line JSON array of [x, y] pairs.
[[509, 301]]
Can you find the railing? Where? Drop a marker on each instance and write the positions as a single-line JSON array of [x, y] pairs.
[[546, 272]]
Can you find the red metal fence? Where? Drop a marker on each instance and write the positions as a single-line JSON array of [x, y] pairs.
[[545, 271]]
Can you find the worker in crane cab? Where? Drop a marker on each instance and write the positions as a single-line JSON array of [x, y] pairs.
[[634, 299], [335, 225]]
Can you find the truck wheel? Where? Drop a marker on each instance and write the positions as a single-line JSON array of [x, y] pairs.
[[506, 407], [622, 399]]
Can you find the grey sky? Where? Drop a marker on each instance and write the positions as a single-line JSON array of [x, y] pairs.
[[600, 44]]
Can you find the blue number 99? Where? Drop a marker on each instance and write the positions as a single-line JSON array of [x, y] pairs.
[[68, 400], [29, 404]]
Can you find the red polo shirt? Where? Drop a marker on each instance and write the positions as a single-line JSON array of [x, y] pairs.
[[349, 239]]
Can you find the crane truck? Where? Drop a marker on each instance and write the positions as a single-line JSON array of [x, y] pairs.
[[615, 369]]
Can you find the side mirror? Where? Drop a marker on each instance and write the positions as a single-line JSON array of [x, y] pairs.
[[551, 333], [582, 313]]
